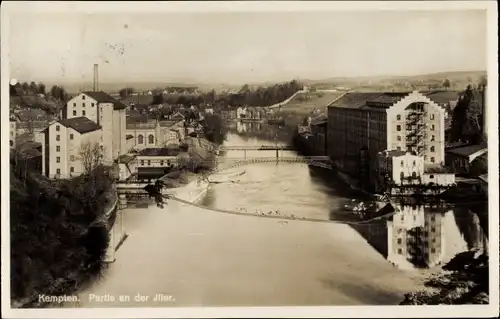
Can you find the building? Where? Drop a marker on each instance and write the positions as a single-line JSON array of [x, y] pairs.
[[463, 159], [361, 124], [106, 112], [403, 173], [318, 126], [154, 133], [62, 150], [415, 239], [12, 134], [156, 157], [241, 112]]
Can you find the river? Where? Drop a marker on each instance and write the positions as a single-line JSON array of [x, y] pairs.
[[205, 258]]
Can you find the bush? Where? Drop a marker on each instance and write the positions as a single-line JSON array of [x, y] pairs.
[[55, 243]]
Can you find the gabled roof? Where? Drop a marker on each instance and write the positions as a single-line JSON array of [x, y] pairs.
[[468, 150], [26, 115], [103, 97], [80, 124]]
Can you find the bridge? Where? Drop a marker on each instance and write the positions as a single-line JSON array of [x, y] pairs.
[[258, 148], [318, 161]]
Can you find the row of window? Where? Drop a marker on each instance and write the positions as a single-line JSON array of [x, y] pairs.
[[162, 163], [398, 128], [433, 138], [71, 169], [398, 117], [72, 158], [151, 139], [83, 104], [83, 113]]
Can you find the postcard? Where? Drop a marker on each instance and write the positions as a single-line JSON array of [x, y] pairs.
[[249, 159]]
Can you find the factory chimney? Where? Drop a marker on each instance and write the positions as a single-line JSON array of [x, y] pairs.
[[96, 77]]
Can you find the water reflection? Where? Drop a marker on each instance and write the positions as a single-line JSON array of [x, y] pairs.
[[261, 131], [422, 236]]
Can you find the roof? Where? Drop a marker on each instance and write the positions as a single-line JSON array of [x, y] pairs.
[[32, 115], [358, 100], [168, 123], [103, 97], [158, 152], [394, 153], [125, 159], [436, 168], [320, 119], [80, 124], [484, 178], [467, 150]]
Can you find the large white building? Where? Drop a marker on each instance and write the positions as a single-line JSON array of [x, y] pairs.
[[106, 112], [154, 134], [61, 151]]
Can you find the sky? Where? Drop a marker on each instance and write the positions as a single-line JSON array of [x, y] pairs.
[[244, 47]]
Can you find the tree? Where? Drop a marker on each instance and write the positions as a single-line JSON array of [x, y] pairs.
[[33, 87], [41, 88], [91, 156], [446, 84], [158, 99], [126, 92]]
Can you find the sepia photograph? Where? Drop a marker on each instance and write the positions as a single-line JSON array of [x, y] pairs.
[[213, 159]]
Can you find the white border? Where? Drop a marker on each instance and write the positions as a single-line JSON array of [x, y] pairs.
[[491, 310]]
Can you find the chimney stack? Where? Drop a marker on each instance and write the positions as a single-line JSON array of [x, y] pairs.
[[96, 85]]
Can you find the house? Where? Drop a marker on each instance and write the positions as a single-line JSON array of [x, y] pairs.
[[62, 150], [241, 112], [106, 112], [378, 121], [209, 111], [403, 169], [461, 159], [178, 116], [156, 157], [154, 133]]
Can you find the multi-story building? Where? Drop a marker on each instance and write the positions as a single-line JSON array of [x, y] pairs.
[[360, 125], [154, 133], [403, 172], [62, 150], [106, 112], [415, 239]]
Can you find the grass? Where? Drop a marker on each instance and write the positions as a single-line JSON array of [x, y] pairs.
[[304, 103]]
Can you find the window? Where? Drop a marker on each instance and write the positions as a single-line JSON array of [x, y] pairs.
[[433, 218], [433, 149], [431, 177], [433, 250], [433, 160], [92, 104], [151, 139], [414, 174], [140, 139], [83, 104], [72, 158], [71, 136], [433, 127], [402, 174], [142, 162], [58, 171], [58, 128], [432, 116], [58, 159], [399, 241], [400, 251], [398, 148], [399, 138], [74, 112], [398, 117], [58, 148], [414, 163], [149, 162], [83, 113], [72, 169], [433, 230], [58, 137], [161, 163], [83, 97], [432, 138], [74, 104], [402, 163], [398, 128]]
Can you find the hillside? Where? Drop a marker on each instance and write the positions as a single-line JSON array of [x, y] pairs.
[[305, 103]]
